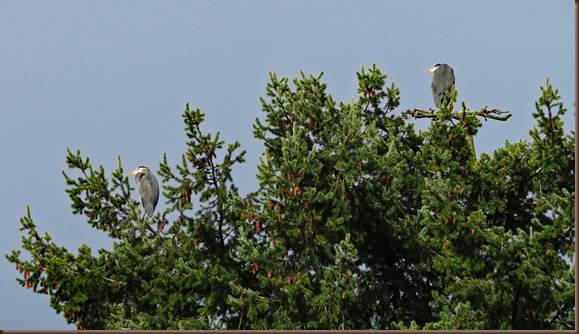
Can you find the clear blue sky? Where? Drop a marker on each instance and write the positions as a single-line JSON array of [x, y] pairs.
[[112, 78]]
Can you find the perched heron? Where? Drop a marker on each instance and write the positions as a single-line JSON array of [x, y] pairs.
[[442, 81], [148, 189]]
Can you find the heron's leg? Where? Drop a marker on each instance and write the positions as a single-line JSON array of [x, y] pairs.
[[144, 222]]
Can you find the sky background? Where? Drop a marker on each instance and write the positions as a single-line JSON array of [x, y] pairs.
[[112, 78]]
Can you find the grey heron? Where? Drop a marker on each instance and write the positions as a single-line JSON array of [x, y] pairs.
[[148, 188], [442, 81]]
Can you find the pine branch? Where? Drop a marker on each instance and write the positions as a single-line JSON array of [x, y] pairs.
[[492, 113]]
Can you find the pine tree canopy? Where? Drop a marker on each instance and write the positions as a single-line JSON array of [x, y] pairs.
[[357, 221]]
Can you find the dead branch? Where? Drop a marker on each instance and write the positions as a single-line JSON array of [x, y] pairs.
[[492, 113]]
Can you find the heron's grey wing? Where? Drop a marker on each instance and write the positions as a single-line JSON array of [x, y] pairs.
[[442, 82], [438, 93], [149, 193], [449, 78]]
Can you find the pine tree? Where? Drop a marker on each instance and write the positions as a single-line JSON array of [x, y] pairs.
[[357, 222]]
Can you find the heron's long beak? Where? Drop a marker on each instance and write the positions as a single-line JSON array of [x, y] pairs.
[[432, 69], [133, 172]]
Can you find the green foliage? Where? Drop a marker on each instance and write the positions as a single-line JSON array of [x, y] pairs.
[[357, 222]]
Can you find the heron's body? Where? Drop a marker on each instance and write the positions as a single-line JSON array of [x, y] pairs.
[[442, 82], [148, 188]]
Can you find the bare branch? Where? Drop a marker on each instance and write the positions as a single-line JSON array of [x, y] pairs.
[[492, 113]]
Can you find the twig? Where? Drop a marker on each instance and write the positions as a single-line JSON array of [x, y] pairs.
[[492, 113]]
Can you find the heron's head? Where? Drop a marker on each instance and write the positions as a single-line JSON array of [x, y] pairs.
[[432, 69], [139, 170]]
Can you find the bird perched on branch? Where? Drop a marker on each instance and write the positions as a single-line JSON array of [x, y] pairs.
[[442, 81], [148, 189]]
